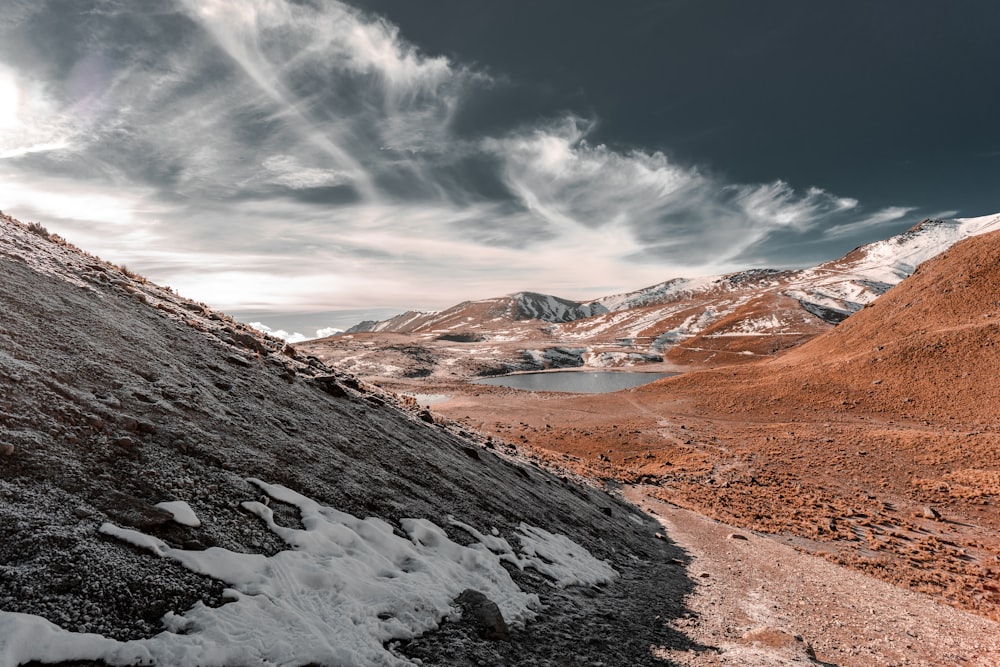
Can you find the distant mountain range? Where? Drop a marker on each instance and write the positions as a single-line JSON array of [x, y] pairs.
[[716, 319]]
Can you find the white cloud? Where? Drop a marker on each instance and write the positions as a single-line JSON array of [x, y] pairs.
[[278, 333], [328, 331], [882, 217], [30, 120], [574, 186], [288, 171], [297, 156]]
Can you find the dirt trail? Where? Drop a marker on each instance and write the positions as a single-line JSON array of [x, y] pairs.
[[757, 593]]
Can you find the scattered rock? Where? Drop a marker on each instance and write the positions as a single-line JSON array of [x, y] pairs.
[[931, 513], [783, 642], [737, 536], [6, 449], [426, 416], [484, 614]]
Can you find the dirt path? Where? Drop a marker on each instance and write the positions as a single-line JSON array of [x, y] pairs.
[[758, 595]]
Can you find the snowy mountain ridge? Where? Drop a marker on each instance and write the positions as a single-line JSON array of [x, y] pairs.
[[831, 290], [725, 318]]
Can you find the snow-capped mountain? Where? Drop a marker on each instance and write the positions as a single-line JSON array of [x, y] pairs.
[[714, 319], [517, 307]]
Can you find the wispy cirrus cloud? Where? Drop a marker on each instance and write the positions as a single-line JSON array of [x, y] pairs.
[[271, 155], [886, 215]]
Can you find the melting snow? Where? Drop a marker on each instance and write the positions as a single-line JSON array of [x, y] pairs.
[[345, 588], [555, 556], [183, 514]]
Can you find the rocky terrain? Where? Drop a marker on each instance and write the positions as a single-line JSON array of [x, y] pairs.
[[117, 395], [176, 488], [875, 445]]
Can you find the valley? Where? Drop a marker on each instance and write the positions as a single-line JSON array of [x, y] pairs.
[[172, 478], [873, 444]]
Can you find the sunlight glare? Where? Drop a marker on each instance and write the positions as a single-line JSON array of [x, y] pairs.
[[10, 98]]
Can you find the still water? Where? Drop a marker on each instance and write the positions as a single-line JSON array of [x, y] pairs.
[[584, 382]]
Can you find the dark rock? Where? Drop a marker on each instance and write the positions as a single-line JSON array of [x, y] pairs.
[[128, 510], [125, 442], [248, 341], [330, 385], [426, 416], [484, 614], [238, 360]]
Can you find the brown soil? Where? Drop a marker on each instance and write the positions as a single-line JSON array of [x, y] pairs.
[[876, 445]]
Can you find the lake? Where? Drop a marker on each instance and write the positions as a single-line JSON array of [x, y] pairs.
[[583, 382]]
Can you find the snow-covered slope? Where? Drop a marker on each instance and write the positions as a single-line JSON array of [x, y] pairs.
[[518, 307], [836, 289]]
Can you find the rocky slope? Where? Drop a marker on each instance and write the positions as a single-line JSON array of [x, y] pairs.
[[716, 320], [140, 431], [116, 395]]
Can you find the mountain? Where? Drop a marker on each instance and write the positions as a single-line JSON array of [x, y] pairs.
[[929, 345], [177, 489], [875, 445], [712, 320], [517, 307]]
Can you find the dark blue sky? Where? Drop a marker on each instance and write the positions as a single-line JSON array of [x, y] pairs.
[[890, 101], [275, 158]]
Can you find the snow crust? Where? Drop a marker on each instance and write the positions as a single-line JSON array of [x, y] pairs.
[[183, 514], [555, 556], [345, 588]]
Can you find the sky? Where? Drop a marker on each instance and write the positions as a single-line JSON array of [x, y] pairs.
[[310, 164]]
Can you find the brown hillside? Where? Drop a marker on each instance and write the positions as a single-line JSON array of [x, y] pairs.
[[876, 444], [929, 349]]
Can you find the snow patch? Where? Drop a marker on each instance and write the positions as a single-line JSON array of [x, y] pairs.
[[555, 556], [345, 588], [182, 512]]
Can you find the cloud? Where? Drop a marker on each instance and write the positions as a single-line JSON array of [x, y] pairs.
[[882, 217], [290, 172], [278, 333], [264, 155], [674, 214], [328, 331]]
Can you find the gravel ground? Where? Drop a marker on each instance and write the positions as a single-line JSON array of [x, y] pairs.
[[762, 602]]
